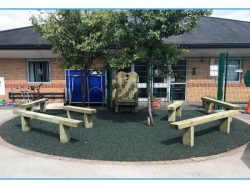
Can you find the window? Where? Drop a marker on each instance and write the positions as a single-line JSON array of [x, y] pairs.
[[179, 71], [38, 70], [233, 67]]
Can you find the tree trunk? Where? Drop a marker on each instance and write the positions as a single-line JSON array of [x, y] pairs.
[[87, 85], [149, 91]]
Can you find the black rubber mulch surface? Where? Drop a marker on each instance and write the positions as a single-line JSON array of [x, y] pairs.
[[126, 137]]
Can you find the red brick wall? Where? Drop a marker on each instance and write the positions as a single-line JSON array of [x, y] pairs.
[[202, 84], [15, 75]]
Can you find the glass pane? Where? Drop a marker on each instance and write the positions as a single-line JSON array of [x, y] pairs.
[[126, 69], [232, 66], [160, 92], [141, 70], [158, 79], [38, 71], [179, 71], [142, 93], [177, 92]]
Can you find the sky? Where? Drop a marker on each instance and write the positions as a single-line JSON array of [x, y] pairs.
[[10, 19]]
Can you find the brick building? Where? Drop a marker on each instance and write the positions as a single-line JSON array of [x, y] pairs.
[[26, 59]]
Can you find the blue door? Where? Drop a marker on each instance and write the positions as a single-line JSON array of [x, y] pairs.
[[96, 84]]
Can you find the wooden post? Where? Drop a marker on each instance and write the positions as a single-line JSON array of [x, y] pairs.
[[88, 121], [203, 103], [225, 125], [188, 136], [42, 107], [178, 111], [171, 115], [208, 107], [64, 132], [25, 122], [68, 114]]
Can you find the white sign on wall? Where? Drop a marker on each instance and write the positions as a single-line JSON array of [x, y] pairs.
[[2, 86], [214, 70]]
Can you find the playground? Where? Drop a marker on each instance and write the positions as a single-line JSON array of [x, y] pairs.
[[125, 132], [126, 137]]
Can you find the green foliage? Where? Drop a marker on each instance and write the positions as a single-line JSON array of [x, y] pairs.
[[76, 35], [122, 37], [141, 38]]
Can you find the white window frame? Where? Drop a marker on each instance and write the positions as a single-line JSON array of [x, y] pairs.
[[240, 60], [240, 67], [27, 70]]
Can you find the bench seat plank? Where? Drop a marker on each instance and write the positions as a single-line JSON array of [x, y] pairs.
[[48, 118], [64, 123], [87, 114], [32, 103], [80, 109], [222, 103], [203, 119], [174, 110], [175, 105], [188, 125]]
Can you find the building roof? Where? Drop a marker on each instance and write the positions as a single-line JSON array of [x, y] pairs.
[[22, 38], [215, 33], [210, 33]]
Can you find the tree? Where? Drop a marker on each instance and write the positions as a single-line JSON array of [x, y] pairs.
[[141, 39], [122, 37], [76, 36]]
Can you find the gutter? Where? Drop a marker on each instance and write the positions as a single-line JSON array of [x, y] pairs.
[[26, 47], [204, 46]]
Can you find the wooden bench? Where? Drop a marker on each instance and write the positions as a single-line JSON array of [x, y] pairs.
[[64, 123], [174, 110], [87, 114], [41, 102], [188, 125], [207, 104]]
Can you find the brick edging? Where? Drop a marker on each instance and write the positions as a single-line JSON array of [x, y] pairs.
[[87, 161]]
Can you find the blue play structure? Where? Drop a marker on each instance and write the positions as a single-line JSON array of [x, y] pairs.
[[96, 87]]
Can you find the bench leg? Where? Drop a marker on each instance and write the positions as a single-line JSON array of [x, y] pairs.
[[208, 107], [68, 114], [25, 121], [178, 111], [203, 104], [43, 107], [88, 121], [171, 115], [188, 136], [64, 132], [225, 125]]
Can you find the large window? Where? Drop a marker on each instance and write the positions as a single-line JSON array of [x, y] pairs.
[[38, 70], [233, 67]]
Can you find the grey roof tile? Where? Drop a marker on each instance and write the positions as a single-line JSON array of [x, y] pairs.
[[210, 32]]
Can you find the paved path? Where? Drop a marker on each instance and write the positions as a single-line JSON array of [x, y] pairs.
[[20, 163]]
